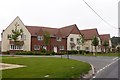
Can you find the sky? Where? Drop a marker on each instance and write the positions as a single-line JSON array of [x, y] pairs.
[[60, 13]]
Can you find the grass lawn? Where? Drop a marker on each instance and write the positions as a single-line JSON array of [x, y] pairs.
[[101, 54], [39, 67]]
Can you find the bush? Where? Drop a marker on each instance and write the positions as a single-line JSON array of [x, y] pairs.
[[6, 52], [73, 52], [24, 53], [82, 51], [43, 50]]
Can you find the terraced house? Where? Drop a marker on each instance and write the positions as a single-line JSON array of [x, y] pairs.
[[32, 39], [106, 37], [88, 35]]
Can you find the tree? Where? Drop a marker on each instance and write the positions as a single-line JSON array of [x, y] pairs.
[[105, 44], [15, 34], [95, 43], [46, 36], [81, 41]]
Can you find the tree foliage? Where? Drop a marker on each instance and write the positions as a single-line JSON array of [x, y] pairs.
[[46, 36], [106, 44], [15, 34], [95, 43]]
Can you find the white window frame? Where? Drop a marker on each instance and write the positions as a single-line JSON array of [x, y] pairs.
[[16, 47], [40, 38]]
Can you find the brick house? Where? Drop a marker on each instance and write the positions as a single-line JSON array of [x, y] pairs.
[[106, 37], [32, 39], [88, 35]]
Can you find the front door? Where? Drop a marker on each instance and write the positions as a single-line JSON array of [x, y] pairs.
[[55, 49]]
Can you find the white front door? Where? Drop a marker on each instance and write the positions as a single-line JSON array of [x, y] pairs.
[[55, 49]]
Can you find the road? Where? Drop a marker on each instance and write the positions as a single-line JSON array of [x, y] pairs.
[[112, 71], [105, 67]]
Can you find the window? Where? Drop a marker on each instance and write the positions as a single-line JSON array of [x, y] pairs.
[[40, 38], [36, 47], [61, 48], [58, 38], [23, 37], [78, 47], [8, 36], [87, 48], [71, 39], [78, 41], [16, 47]]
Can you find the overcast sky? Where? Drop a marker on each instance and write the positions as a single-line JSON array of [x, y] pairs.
[[59, 13]]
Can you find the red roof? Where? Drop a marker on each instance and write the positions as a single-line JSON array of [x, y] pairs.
[[105, 37], [35, 29], [89, 34], [67, 30], [63, 32]]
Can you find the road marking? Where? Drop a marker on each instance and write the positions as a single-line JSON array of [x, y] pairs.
[[116, 59]]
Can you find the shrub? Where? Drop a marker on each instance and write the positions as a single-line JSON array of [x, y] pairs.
[[72, 52], [82, 51], [43, 50]]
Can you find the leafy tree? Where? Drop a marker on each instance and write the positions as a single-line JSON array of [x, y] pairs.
[[46, 36], [81, 40], [106, 44], [95, 43], [15, 34]]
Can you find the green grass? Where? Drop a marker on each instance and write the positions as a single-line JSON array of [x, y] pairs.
[[100, 54], [40, 67]]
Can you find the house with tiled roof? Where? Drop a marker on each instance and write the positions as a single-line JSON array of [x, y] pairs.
[[32, 39], [105, 37], [88, 35]]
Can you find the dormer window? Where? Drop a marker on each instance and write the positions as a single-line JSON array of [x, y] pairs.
[[58, 38], [40, 38]]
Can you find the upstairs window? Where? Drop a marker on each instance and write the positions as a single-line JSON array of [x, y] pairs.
[[78, 41], [23, 37], [9, 36], [72, 39], [58, 38], [40, 38]]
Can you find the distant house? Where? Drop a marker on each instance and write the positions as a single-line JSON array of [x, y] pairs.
[[106, 37], [32, 39], [88, 35]]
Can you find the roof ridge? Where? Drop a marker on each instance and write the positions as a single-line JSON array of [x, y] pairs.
[[41, 27], [88, 29]]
